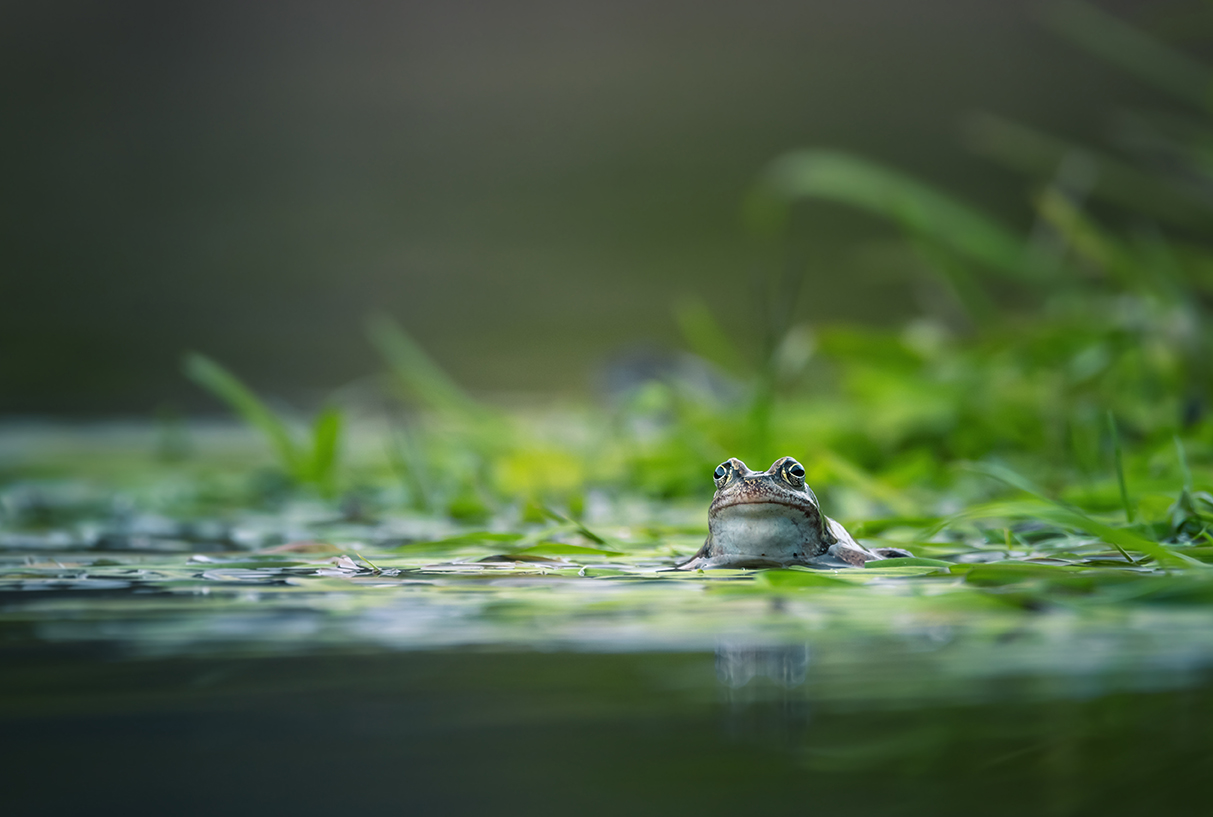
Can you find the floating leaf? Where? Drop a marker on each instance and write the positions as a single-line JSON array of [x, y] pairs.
[[903, 561]]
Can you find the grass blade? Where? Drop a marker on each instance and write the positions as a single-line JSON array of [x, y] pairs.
[[918, 207], [417, 372], [849, 473], [1063, 514], [1113, 180], [326, 438], [706, 337], [1120, 468], [1120, 44], [407, 461], [579, 527], [1183, 464], [241, 399]]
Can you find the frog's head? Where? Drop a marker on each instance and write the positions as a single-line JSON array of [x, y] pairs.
[[760, 508]]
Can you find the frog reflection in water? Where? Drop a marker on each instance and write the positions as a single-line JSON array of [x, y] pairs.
[[772, 519]]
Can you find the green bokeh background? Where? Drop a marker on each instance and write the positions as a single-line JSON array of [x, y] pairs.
[[526, 188]]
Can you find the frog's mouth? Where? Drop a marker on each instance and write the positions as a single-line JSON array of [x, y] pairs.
[[752, 506]]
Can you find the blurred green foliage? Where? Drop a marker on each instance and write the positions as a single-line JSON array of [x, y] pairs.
[[1081, 388], [313, 463], [1049, 465]]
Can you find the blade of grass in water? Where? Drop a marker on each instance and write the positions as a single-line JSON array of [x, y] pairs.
[[1063, 514], [967, 290], [1087, 239], [241, 399], [1119, 43], [579, 527], [406, 460], [706, 337], [326, 437], [848, 472], [1113, 180], [1183, 464], [421, 377], [1120, 469], [918, 207]]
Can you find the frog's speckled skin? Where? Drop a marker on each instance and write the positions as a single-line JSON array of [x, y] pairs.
[[772, 519]]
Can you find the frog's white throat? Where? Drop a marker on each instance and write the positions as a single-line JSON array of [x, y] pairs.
[[758, 530]]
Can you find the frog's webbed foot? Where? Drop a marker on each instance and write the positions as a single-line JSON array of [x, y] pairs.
[[849, 555], [702, 557], [855, 556]]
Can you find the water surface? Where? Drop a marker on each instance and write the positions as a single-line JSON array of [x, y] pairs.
[[448, 678]]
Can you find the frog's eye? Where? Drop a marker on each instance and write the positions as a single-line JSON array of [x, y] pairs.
[[721, 474], [794, 473]]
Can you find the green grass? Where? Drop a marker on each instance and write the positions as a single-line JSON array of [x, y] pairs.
[[312, 463], [1071, 436]]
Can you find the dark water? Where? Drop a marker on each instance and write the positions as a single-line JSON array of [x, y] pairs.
[[243, 663], [475, 689], [564, 732]]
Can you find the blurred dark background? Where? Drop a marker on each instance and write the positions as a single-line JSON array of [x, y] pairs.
[[527, 187]]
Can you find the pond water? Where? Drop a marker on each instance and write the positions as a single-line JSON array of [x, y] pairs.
[[457, 685], [300, 659]]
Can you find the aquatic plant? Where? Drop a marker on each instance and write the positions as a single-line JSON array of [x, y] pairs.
[[1042, 431], [313, 463]]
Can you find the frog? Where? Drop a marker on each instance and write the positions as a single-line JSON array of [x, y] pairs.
[[772, 518]]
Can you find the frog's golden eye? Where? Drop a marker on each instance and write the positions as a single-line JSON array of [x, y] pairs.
[[794, 472], [721, 475]]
